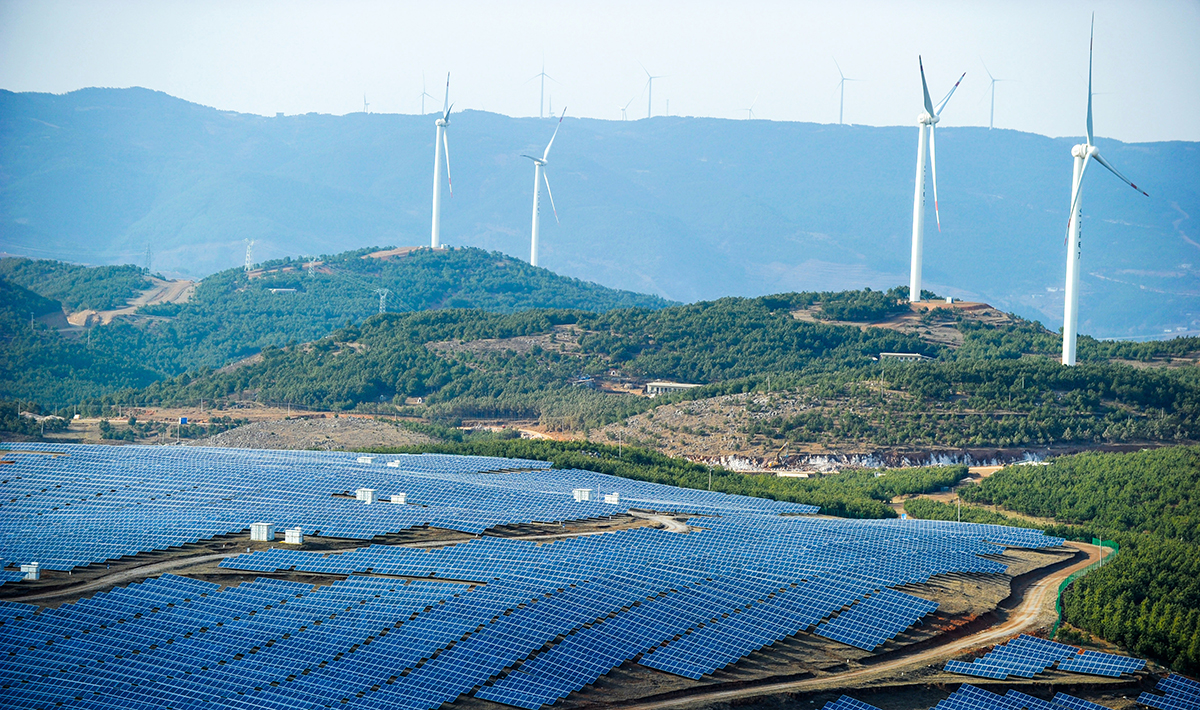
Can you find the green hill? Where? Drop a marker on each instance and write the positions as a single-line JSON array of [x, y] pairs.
[[234, 314], [547, 365]]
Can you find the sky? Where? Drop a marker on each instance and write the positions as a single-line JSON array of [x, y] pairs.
[[715, 58]]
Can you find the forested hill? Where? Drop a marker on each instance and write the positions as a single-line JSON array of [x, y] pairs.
[[234, 314], [1002, 387], [687, 208]]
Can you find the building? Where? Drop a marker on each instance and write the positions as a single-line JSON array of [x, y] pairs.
[[903, 357], [653, 389]]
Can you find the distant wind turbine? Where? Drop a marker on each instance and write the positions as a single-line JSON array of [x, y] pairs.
[[441, 143], [1083, 153], [424, 93], [542, 98], [366, 105], [750, 111], [992, 113], [539, 165], [925, 123], [841, 90], [650, 91], [624, 117]]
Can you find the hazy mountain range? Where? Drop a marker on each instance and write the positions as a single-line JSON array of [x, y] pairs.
[[685, 208]]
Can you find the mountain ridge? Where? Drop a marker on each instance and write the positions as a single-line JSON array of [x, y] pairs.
[[689, 209]]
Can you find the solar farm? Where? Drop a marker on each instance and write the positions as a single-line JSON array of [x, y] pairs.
[[355, 614]]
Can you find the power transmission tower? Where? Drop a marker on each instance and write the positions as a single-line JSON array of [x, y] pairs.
[[383, 294], [149, 256], [249, 253]]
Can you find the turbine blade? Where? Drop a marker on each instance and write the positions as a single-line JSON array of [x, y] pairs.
[[933, 167], [1091, 42], [446, 103], [551, 196], [839, 68], [446, 146], [1075, 196], [942, 105], [928, 102], [560, 120], [1116, 172]]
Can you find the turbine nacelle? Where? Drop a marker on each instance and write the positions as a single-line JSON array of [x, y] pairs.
[[1083, 150], [443, 122], [927, 119]]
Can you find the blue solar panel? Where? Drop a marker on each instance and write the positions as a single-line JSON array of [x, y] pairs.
[[523, 623]]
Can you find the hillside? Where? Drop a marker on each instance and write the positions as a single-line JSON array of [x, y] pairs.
[[576, 371], [233, 314], [681, 207]]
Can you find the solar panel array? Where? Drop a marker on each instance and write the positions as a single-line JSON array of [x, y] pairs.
[[1180, 694], [100, 503], [968, 697], [523, 623], [1027, 656]]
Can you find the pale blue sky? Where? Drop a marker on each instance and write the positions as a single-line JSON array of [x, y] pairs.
[[297, 57]]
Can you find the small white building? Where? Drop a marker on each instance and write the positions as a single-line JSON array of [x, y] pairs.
[[366, 459], [582, 494], [394, 463], [400, 498], [262, 532], [32, 570], [294, 536], [903, 357], [612, 498], [366, 495], [653, 389]]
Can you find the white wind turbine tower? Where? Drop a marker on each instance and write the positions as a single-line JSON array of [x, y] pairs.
[[440, 143], [539, 175], [650, 91], [925, 123], [750, 111], [1084, 153], [624, 117], [842, 90], [992, 113], [542, 98], [366, 106]]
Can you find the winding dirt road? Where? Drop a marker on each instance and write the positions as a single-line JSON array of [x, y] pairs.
[[1037, 598]]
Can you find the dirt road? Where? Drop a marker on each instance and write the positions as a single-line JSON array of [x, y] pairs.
[[1036, 599]]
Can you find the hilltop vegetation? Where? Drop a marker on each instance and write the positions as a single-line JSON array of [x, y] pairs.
[[76, 287], [470, 364], [504, 358], [233, 315]]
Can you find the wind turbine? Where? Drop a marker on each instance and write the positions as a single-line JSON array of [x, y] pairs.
[[440, 143], [366, 105], [539, 175], [542, 98], [623, 116], [925, 123], [750, 111], [650, 91], [992, 113], [424, 93], [1083, 153], [841, 90]]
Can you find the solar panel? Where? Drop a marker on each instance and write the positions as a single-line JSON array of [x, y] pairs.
[[521, 623]]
